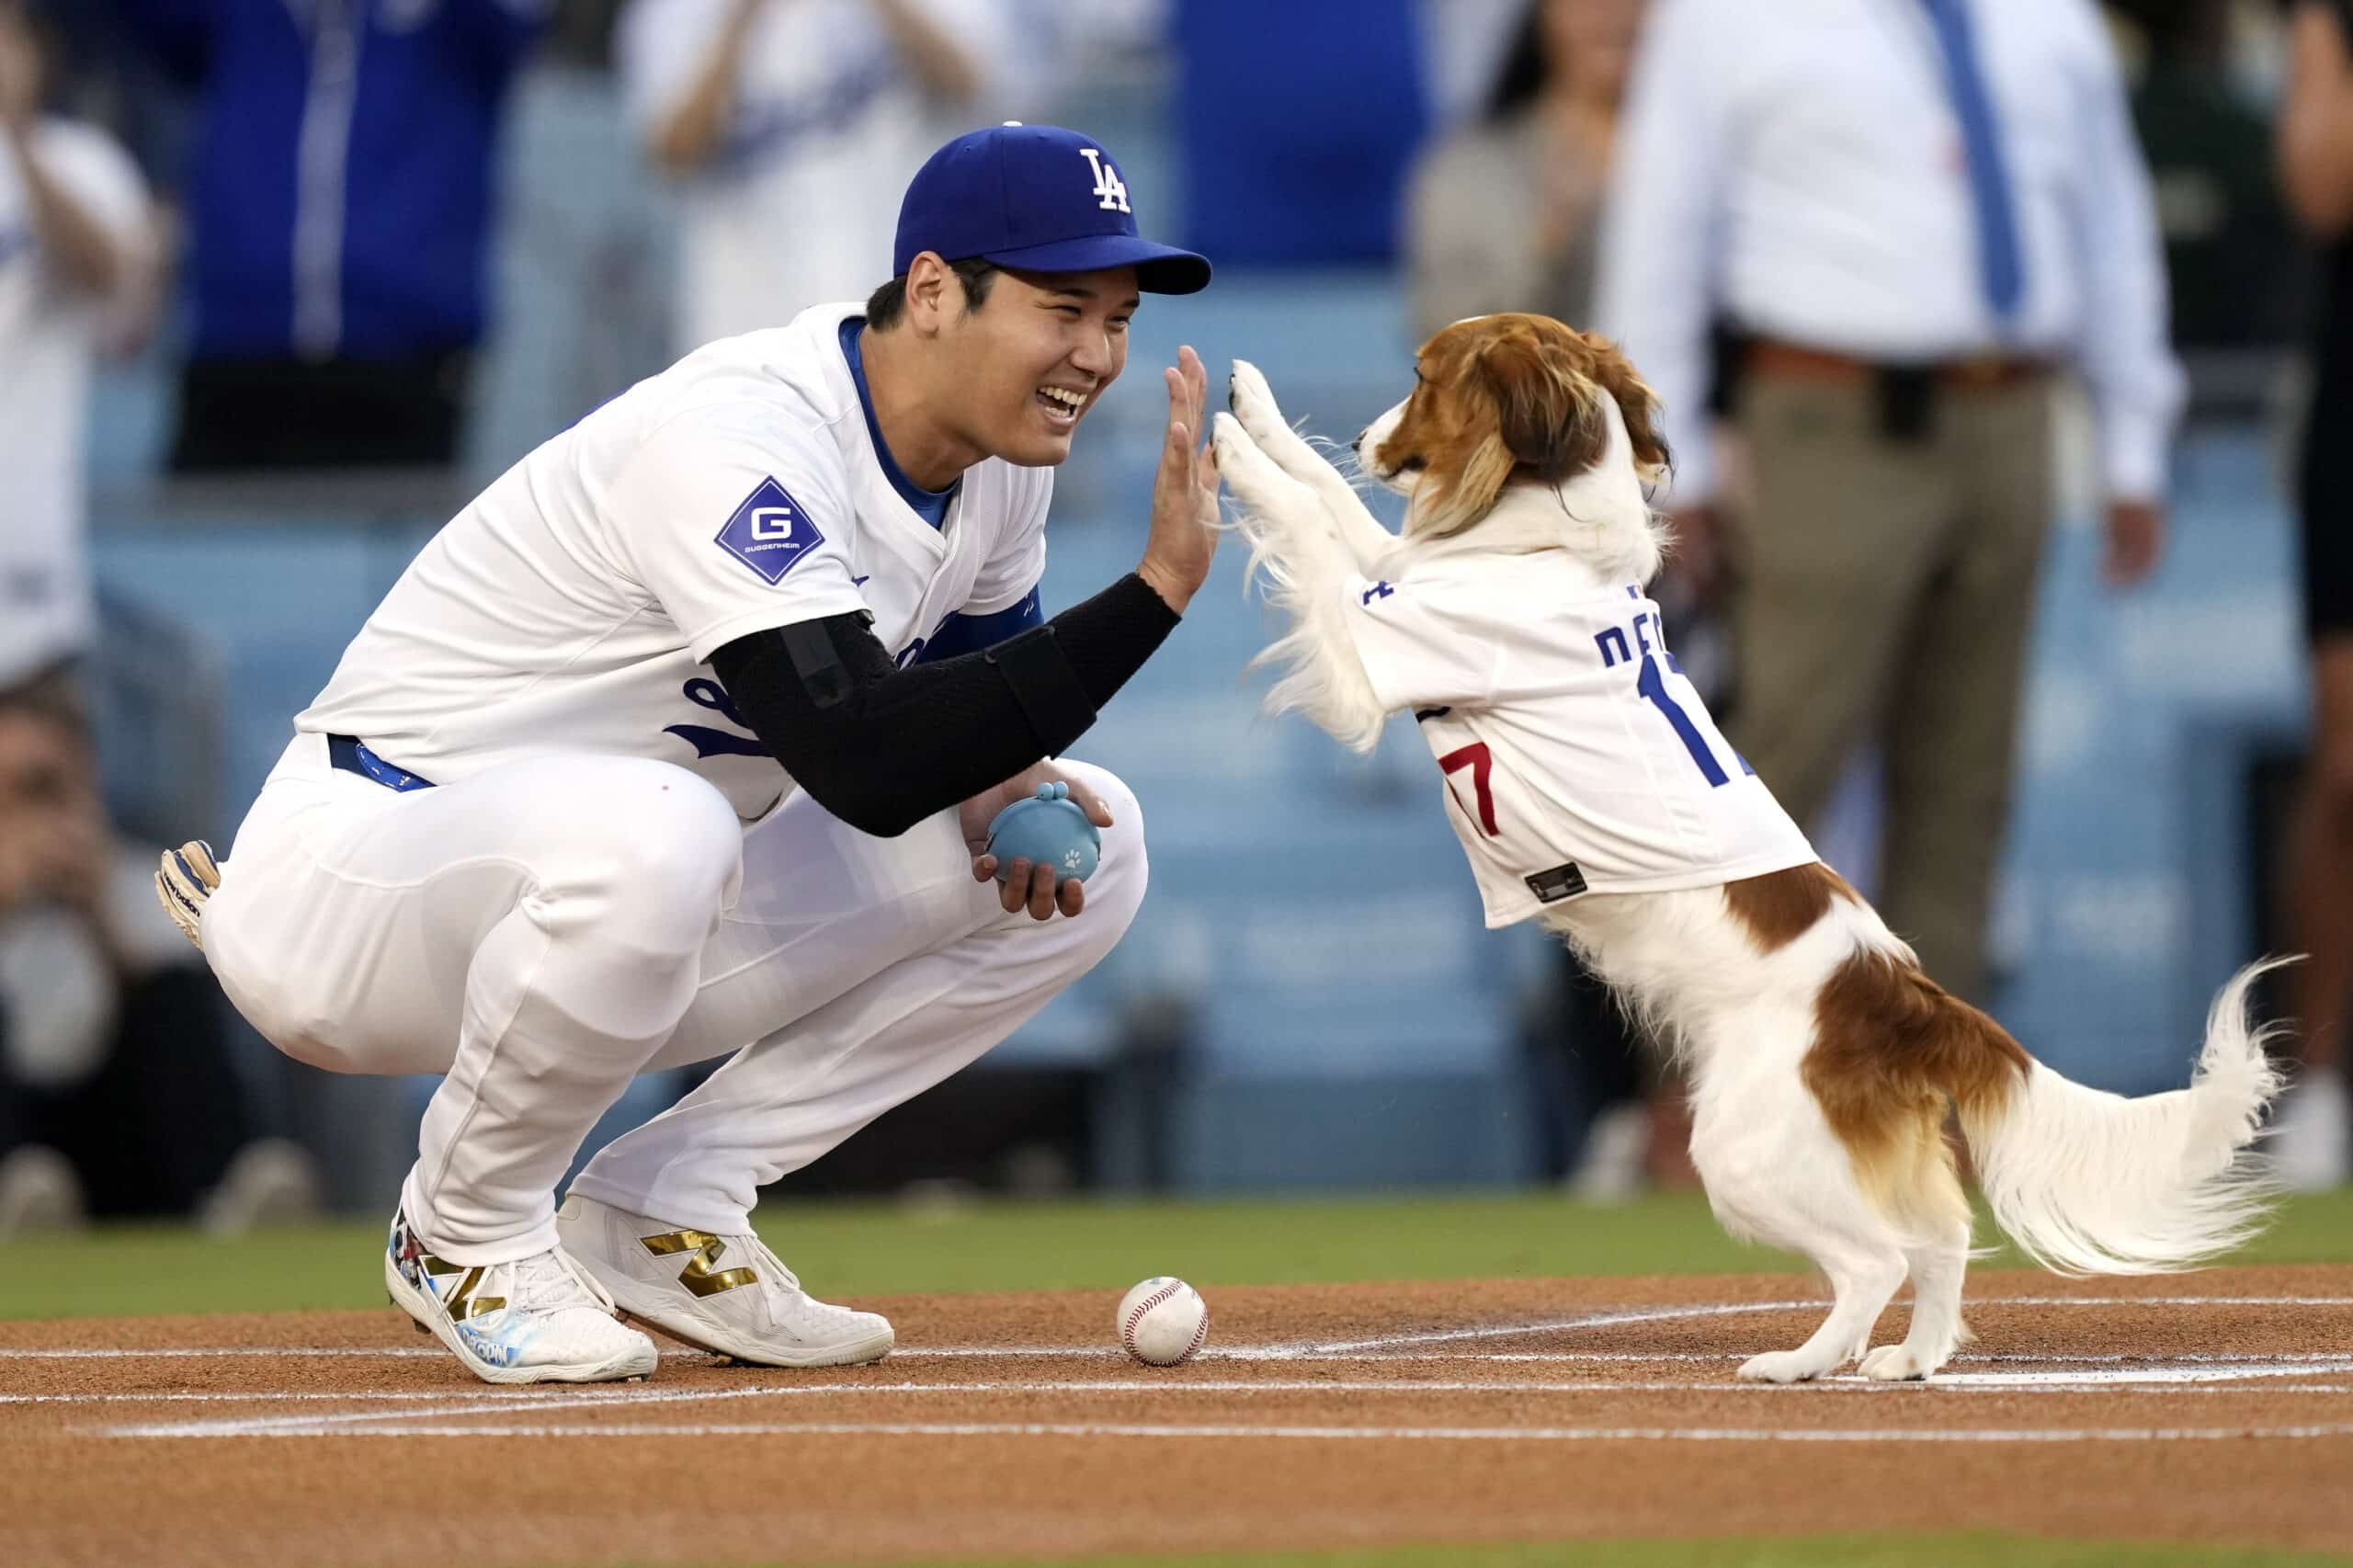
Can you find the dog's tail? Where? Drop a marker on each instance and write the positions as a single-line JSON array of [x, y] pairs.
[[2085, 1181], [2093, 1182]]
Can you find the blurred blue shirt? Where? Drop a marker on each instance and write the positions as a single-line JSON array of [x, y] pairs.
[[341, 192]]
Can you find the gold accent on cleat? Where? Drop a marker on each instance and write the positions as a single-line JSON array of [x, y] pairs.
[[460, 1303], [185, 878], [698, 1276], [463, 1303]]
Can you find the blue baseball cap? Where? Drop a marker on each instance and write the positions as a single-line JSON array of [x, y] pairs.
[[1037, 197]]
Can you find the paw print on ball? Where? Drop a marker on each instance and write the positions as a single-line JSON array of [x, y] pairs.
[[1047, 829]]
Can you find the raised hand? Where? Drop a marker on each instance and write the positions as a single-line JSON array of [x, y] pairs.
[[1183, 541]]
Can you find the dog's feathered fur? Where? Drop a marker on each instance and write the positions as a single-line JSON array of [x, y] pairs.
[[1823, 1061]]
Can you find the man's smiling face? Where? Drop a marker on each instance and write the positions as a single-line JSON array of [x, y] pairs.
[[1035, 357]]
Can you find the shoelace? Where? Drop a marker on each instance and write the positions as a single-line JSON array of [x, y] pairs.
[[754, 1243], [550, 1281]]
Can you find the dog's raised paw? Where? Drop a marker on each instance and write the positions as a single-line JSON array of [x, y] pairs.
[[1245, 469], [1248, 395]]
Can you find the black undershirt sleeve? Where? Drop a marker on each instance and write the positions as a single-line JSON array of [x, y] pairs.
[[883, 747]]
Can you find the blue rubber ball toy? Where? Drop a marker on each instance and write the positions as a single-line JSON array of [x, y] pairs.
[[1047, 829]]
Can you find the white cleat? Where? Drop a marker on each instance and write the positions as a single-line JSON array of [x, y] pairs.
[[729, 1295], [537, 1319]]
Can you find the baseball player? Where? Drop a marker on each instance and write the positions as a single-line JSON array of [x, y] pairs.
[[681, 741]]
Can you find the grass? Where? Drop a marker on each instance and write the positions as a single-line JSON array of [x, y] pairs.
[[1972, 1549], [870, 1248]]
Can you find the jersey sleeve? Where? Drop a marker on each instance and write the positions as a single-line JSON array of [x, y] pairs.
[[1019, 564], [733, 533], [1424, 643]]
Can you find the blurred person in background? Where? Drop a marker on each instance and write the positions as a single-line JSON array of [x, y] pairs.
[[117, 1093], [1505, 213], [340, 210], [76, 269], [1917, 213], [2233, 273], [2313, 1145], [794, 124]]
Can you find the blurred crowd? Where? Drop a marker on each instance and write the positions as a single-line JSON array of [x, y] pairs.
[[1863, 251]]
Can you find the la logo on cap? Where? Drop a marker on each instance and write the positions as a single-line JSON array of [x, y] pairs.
[[1111, 192]]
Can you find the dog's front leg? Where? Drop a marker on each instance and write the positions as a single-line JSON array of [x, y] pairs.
[[1358, 531], [1305, 570]]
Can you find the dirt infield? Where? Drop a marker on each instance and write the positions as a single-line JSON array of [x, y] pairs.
[[2216, 1407]]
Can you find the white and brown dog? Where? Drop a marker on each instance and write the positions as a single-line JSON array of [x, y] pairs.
[[1592, 791]]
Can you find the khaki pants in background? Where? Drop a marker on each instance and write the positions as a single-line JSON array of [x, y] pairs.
[[1886, 592]]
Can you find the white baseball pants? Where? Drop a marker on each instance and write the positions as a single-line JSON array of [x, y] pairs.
[[543, 931]]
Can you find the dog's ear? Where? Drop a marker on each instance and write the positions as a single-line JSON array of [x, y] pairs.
[[1547, 410], [1550, 388], [1637, 405]]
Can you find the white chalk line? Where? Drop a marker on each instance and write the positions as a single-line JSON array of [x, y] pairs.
[[264, 1425], [2197, 1379], [1591, 1320], [1299, 1350], [1378, 1433], [1232, 1353], [1735, 1309], [2166, 1380]]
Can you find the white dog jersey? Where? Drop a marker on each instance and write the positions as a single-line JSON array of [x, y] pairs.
[[570, 607], [1576, 757]]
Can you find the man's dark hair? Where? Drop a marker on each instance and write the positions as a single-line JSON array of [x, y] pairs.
[[888, 303]]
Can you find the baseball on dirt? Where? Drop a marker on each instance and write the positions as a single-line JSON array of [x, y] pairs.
[[1163, 1322]]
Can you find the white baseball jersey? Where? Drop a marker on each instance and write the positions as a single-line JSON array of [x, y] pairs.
[[1576, 757], [570, 607], [49, 334]]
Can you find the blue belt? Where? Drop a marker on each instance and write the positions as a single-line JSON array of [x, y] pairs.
[[347, 753]]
